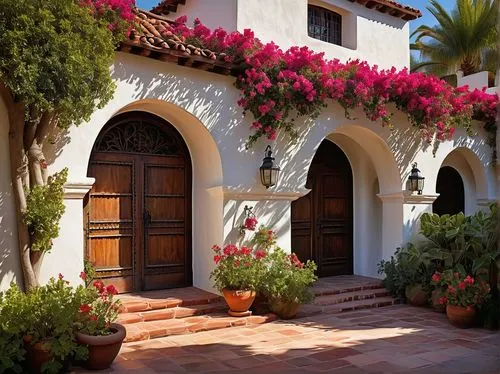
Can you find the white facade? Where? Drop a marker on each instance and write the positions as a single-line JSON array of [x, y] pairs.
[[202, 107]]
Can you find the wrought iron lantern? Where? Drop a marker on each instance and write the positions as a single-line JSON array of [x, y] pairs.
[[269, 171], [416, 179]]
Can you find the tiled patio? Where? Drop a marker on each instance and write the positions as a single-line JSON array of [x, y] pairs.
[[393, 339]]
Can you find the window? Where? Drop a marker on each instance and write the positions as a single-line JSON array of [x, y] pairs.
[[324, 25]]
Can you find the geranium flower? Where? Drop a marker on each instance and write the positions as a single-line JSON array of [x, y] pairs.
[[436, 277], [260, 254], [111, 289], [85, 308], [83, 275]]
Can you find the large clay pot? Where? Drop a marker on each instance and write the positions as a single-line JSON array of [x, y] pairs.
[[38, 354], [436, 305], [103, 349], [239, 301], [460, 316], [415, 295], [284, 309]]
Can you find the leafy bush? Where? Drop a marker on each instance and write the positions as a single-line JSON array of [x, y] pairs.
[[45, 207], [12, 325], [405, 268], [287, 279], [462, 289]]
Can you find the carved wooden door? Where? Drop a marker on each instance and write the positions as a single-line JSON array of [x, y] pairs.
[[322, 220], [139, 209]]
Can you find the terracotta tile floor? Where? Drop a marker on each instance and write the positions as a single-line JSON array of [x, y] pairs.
[[394, 339]]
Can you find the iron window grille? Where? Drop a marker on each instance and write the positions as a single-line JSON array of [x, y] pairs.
[[325, 25]]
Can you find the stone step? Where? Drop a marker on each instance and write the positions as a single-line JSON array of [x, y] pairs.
[[351, 296], [126, 318], [336, 290], [313, 309], [134, 304], [161, 328]]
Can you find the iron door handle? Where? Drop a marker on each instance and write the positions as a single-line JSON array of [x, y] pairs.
[[147, 218]]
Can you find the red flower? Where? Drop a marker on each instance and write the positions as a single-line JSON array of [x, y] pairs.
[[436, 277], [469, 280], [259, 254], [245, 251], [83, 275], [99, 285], [111, 290], [85, 308], [230, 250], [451, 289], [461, 286], [443, 300], [236, 263], [60, 276], [250, 223], [217, 259], [93, 318], [216, 248]]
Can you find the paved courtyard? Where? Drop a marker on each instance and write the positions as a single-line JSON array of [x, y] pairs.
[[395, 339]]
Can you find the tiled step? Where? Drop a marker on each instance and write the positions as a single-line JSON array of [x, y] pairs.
[[325, 289], [377, 302], [170, 313], [156, 329], [351, 296]]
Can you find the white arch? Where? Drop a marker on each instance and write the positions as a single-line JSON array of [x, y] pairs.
[[207, 196]]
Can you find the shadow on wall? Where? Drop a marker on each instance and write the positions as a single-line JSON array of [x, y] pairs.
[[53, 149], [9, 257]]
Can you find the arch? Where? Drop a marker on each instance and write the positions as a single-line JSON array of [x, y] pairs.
[[472, 173], [207, 178], [450, 186]]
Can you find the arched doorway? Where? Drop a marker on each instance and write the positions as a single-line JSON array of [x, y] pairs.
[[450, 186], [322, 220], [139, 210]]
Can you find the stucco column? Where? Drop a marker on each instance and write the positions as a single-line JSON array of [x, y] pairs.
[[392, 222], [67, 254], [414, 206]]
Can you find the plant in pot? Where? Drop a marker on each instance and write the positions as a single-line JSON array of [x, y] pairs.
[[49, 337], [464, 295], [238, 274], [287, 283], [95, 325]]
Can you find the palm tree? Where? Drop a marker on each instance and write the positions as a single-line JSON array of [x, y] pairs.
[[464, 40]]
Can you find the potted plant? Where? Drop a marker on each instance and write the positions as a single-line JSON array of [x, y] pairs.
[[95, 325], [49, 338], [288, 283], [464, 295], [237, 275]]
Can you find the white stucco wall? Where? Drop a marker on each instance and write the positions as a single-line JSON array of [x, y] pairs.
[[10, 268], [367, 34], [202, 106]]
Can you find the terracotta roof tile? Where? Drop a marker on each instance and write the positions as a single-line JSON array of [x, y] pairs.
[[167, 6], [393, 8], [153, 38]]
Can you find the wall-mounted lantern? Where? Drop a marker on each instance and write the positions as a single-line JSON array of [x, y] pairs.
[[416, 179], [269, 171]]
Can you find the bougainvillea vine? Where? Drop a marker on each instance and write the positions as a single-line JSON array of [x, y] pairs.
[[278, 86]]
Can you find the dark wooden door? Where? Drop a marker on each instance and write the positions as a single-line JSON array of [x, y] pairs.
[[139, 209], [449, 185], [322, 220]]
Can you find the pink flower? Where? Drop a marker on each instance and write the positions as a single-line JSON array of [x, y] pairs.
[[436, 277], [443, 300], [217, 259], [83, 275], [216, 248], [461, 286], [60, 276], [469, 280]]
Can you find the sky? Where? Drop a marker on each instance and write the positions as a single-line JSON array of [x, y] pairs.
[[426, 18]]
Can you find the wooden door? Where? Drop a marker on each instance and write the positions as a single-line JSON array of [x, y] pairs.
[[450, 187], [139, 209], [322, 220]]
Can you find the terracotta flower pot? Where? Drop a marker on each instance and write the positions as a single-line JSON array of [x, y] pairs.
[[460, 316], [102, 349], [436, 305], [284, 309], [415, 295], [239, 301], [38, 354]]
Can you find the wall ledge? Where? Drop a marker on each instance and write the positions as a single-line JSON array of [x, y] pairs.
[[235, 193], [78, 190]]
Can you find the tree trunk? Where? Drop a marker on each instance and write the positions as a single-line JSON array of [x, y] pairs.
[[18, 170]]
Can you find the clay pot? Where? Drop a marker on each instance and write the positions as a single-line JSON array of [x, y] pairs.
[[239, 301], [415, 295], [38, 354], [284, 309], [460, 316], [436, 305], [103, 349]]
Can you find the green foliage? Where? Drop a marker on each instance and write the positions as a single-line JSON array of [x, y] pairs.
[[45, 207], [407, 267], [464, 39], [287, 279], [12, 325], [56, 57]]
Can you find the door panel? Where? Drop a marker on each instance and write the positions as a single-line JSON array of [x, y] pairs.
[[111, 235], [329, 218], [139, 209]]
